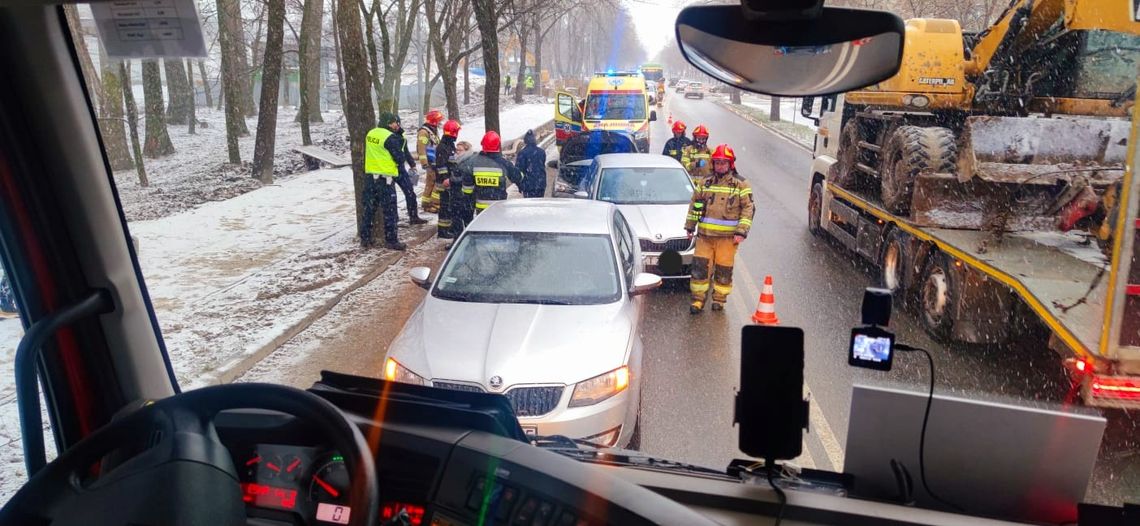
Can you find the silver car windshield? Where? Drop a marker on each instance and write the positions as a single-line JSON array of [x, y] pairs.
[[645, 186], [542, 268]]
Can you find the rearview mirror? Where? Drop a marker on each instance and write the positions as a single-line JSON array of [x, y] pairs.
[[643, 283], [841, 50], [421, 276]]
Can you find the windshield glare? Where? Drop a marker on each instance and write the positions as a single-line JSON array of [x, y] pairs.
[[657, 186], [613, 106], [542, 268]]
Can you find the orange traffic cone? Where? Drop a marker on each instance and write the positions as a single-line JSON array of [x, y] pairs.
[[766, 310]]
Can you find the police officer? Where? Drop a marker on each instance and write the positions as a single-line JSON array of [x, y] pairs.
[[531, 161], [383, 149], [427, 138], [675, 146], [485, 172], [529, 84], [452, 195], [404, 181], [720, 215], [696, 155]]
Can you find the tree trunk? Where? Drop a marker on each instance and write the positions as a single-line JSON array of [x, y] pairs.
[[774, 110], [111, 114], [486, 18], [235, 63], [193, 97], [466, 76], [539, 36], [157, 142], [339, 62], [263, 146], [734, 95], [133, 123], [520, 85], [310, 64], [370, 33], [221, 93], [91, 79], [428, 82], [178, 92], [205, 83], [358, 95]]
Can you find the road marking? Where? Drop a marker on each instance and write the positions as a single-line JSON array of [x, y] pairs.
[[818, 422]]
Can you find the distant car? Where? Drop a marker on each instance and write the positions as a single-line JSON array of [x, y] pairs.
[[653, 193], [694, 90], [525, 274], [579, 151], [681, 86]]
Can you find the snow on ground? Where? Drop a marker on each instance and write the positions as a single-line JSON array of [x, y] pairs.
[[514, 123], [230, 273], [199, 171], [789, 108]]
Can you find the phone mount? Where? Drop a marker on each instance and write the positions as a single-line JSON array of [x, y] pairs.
[[770, 407], [876, 307]]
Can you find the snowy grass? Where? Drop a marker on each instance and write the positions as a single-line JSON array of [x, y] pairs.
[[802, 133]]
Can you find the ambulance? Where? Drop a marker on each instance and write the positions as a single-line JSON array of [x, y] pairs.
[[615, 101]]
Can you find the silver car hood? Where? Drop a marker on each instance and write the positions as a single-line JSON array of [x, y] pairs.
[[656, 222], [521, 343]]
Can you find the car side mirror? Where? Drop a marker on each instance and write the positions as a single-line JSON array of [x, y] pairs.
[[421, 276], [644, 283], [581, 194], [652, 115], [806, 106]]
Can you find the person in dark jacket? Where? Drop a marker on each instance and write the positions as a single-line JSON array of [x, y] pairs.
[[485, 172], [675, 146], [531, 161], [451, 195], [382, 148], [404, 157]]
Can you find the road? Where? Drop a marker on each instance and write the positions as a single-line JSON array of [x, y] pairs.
[[691, 362]]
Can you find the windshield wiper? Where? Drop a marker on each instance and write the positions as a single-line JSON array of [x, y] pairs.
[[600, 454]]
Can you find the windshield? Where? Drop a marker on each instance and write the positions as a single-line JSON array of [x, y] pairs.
[[292, 207], [542, 268], [645, 186], [615, 106]]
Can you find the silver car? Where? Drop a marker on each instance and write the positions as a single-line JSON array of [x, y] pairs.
[[522, 276], [653, 192]]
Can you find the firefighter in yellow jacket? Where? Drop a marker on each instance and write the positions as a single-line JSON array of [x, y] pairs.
[[427, 139], [720, 215], [695, 156]]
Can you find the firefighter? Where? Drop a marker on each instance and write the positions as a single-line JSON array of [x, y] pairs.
[[531, 161], [675, 147], [695, 156], [485, 172], [442, 166], [427, 139], [383, 151], [720, 215]]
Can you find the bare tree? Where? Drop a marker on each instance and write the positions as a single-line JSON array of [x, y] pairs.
[[157, 143], [193, 96], [774, 109], [358, 95], [486, 17], [111, 114], [394, 45], [309, 49], [522, 31], [71, 14], [205, 82], [178, 91], [263, 145], [133, 123], [339, 61], [235, 78]]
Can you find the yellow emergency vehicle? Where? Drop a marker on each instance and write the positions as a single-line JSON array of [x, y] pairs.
[[615, 101]]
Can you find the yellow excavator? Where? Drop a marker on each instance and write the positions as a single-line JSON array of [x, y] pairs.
[[1022, 126]]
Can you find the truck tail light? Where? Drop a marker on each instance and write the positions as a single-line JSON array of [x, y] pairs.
[[1115, 387]]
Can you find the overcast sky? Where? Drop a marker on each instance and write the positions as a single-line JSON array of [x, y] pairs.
[[653, 20]]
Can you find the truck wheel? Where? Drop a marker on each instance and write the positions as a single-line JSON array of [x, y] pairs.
[[937, 296], [815, 208], [893, 262], [909, 151], [849, 154]]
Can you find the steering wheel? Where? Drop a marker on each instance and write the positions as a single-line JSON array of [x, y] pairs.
[[179, 473]]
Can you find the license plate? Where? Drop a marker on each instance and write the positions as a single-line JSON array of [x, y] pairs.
[[651, 261], [531, 431]]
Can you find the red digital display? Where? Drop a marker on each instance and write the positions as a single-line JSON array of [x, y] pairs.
[[268, 496], [390, 509]]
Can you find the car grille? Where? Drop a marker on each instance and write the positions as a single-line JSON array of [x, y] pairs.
[[457, 386], [534, 401], [679, 244]]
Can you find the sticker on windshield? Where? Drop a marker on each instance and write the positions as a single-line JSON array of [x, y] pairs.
[[149, 28]]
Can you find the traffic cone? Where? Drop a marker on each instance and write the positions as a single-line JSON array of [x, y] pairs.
[[766, 310]]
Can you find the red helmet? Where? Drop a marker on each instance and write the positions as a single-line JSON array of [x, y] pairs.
[[434, 117], [491, 142], [724, 152], [678, 127], [701, 131], [451, 129]]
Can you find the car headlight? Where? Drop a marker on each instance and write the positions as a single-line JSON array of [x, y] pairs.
[[394, 372], [600, 387]]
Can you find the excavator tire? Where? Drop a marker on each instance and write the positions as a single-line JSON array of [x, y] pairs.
[[909, 151], [849, 154]]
